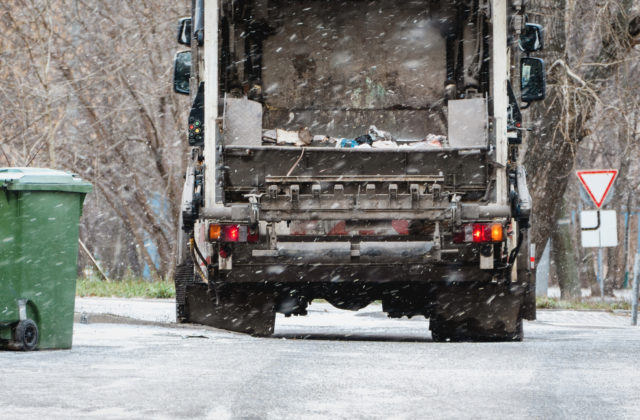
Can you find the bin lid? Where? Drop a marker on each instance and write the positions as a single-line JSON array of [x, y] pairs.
[[42, 179]]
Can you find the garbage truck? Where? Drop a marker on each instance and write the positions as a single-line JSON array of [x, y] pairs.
[[358, 152]]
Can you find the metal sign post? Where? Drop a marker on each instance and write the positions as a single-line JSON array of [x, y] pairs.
[[600, 279], [598, 230]]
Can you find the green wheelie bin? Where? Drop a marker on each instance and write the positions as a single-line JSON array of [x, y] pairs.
[[40, 211]]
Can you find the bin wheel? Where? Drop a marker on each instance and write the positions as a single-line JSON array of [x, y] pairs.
[[26, 335]]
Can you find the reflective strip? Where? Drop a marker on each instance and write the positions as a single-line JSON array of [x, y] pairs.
[[532, 258]]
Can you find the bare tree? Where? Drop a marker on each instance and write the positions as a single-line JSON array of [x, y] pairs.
[[85, 87], [587, 43]]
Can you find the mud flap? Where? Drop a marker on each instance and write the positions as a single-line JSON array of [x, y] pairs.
[[478, 312], [529, 301], [245, 310]]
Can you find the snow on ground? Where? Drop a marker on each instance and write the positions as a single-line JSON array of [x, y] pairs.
[[325, 319], [152, 310], [353, 365]]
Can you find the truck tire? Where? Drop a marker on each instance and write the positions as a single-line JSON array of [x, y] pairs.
[[26, 335], [184, 277], [529, 303], [239, 308]]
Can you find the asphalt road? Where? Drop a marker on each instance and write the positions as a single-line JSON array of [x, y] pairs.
[[350, 365]]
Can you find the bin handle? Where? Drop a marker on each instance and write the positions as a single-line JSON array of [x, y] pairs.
[[22, 309]]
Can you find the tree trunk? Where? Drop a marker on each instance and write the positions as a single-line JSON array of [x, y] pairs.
[[561, 122], [563, 253], [591, 261]]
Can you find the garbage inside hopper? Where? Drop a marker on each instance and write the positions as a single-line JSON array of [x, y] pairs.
[[375, 138]]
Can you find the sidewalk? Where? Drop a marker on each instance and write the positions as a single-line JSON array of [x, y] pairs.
[[149, 310]]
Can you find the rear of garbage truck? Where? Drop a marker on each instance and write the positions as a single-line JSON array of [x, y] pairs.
[[357, 152]]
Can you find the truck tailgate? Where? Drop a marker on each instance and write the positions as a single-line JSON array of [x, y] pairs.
[[253, 169]]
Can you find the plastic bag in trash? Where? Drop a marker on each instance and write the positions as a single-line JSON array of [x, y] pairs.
[[385, 144], [435, 140], [346, 143], [366, 139], [380, 135], [358, 141], [430, 142]]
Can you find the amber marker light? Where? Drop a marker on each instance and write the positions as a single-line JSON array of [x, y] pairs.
[[496, 232], [214, 232]]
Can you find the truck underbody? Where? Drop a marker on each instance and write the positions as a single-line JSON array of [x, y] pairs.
[[355, 226], [429, 228]]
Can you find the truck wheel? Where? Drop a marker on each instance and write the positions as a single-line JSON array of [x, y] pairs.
[[26, 335], [440, 331], [183, 278]]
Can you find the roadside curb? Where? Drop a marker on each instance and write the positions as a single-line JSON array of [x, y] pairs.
[[104, 318], [92, 318]]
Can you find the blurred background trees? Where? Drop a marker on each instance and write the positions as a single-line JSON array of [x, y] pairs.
[[85, 86], [588, 121]]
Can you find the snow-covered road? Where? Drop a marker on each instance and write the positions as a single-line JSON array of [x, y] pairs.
[[352, 365]]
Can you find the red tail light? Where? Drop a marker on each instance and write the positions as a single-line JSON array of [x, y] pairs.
[[479, 233], [230, 233], [233, 233]]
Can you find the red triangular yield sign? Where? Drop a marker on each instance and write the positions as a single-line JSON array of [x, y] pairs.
[[597, 183]]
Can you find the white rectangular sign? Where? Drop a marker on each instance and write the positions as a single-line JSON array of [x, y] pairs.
[[606, 235]]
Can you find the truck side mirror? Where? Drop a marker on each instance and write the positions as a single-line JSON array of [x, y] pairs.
[[182, 72], [184, 31], [532, 38], [532, 79]]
